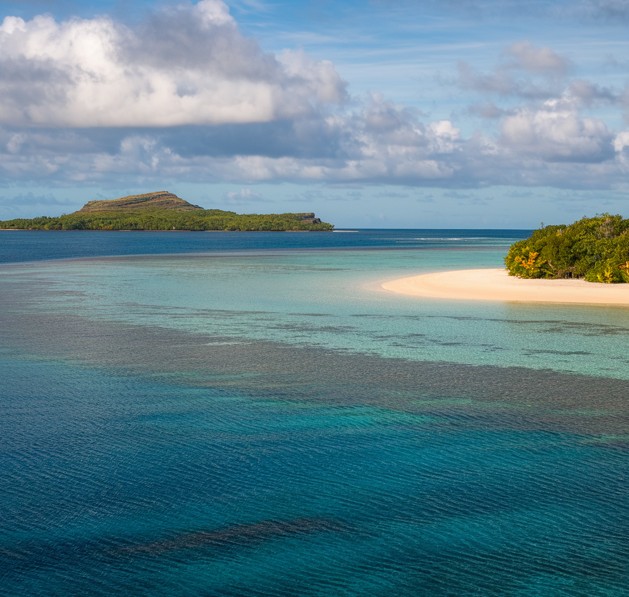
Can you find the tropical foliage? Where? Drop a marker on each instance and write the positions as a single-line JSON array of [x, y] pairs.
[[170, 219], [596, 249]]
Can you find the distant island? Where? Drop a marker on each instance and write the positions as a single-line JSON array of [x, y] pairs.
[[595, 249], [165, 211]]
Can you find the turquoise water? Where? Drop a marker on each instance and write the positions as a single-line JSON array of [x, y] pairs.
[[269, 421]]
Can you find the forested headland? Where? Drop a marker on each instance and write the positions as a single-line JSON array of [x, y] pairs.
[[595, 249], [165, 211]]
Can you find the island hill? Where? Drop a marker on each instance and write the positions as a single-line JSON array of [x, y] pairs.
[[164, 211], [594, 249]]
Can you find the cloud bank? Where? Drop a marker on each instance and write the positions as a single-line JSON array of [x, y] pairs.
[[186, 95], [187, 65]]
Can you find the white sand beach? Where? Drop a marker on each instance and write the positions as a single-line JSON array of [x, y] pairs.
[[497, 285]]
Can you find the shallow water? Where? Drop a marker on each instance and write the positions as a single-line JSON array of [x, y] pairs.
[[269, 421]]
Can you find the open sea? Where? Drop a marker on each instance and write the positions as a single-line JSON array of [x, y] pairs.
[[251, 414]]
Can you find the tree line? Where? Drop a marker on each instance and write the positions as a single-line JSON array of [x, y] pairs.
[[149, 219]]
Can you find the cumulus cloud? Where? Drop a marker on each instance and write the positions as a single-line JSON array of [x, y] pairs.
[[186, 65], [185, 95], [547, 119], [621, 147], [555, 133], [377, 141]]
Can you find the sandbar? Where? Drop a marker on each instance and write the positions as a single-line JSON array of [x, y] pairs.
[[497, 285]]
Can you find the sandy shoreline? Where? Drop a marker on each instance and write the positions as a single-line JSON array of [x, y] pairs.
[[497, 285]]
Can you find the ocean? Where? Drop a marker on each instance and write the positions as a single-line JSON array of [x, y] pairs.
[[252, 414]]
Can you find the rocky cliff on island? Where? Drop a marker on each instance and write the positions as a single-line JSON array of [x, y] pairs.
[[157, 200]]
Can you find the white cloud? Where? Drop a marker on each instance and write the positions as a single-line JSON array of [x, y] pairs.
[[554, 133], [319, 79], [185, 95], [621, 141], [190, 65], [621, 147]]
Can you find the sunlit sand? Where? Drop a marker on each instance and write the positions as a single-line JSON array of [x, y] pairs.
[[497, 285]]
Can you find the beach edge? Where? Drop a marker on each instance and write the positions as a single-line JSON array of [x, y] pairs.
[[495, 284]]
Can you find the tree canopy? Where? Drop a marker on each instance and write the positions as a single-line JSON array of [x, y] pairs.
[[162, 219], [595, 249]]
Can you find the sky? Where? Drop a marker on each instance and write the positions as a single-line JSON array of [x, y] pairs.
[[372, 113]]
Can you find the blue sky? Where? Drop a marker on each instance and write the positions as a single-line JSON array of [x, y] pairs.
[[450, 113]]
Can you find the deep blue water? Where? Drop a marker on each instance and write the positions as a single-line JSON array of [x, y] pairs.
[[252, 416], [32, 245]]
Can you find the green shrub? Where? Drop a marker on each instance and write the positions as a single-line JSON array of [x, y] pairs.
[[595, 249]]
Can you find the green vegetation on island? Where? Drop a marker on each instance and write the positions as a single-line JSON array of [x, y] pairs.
[[165, 211], [595, 249]]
